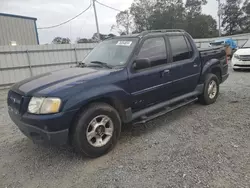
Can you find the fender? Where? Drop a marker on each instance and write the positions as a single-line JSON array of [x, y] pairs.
[[208, 67], [111, 91]]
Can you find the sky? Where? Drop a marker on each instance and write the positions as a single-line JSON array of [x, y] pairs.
[[52, 12]]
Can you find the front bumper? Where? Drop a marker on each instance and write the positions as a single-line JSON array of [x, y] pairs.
[[40, 131], [239, 64]]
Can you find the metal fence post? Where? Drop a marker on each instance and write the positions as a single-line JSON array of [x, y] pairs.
[[29, 62], [76, 58]]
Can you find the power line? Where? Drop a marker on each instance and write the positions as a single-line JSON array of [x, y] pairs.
[[108, 6], [50, 27]]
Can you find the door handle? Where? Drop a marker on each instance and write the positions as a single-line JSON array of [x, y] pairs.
[[195, 65], [165, 72]]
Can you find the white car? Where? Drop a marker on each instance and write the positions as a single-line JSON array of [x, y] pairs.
[[241, 58]]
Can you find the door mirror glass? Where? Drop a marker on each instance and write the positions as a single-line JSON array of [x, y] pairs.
[[140, 64]]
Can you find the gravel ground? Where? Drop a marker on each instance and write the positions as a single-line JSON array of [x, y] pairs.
[[196, 146]]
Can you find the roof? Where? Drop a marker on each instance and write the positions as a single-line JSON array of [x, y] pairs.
[[153, 32], [18, 16], [129, 35], [125, 36], [173, 31]]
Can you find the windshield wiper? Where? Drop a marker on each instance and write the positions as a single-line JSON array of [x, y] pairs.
[[101, 64]]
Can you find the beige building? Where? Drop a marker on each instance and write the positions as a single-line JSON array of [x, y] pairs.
[[18, 30]]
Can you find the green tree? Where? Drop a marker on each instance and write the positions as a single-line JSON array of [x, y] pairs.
[[246, 7], [102, 37], [245, 21], [231, 17], [205, 26], [83, 40], [167, 15], [194, 7], [124, 22], [61, 40], [173, 14], [141, 10], [193, 24]]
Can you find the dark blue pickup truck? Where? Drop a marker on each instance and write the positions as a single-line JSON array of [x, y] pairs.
[[124, 79]]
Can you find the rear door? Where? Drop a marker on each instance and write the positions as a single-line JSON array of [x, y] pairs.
[[186, 65], [150, 85]]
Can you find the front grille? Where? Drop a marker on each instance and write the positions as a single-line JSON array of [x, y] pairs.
[[245, 57], [14, 102], [242, 65]]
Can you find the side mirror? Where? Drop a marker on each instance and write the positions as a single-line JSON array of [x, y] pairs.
[[140, 64]]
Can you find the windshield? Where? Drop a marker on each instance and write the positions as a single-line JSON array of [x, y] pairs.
[[114, 52], [247, 45]]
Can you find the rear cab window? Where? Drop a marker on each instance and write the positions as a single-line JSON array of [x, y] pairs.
[[181, 48]]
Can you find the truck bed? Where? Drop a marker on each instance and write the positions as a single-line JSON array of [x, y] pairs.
[[207, 54]]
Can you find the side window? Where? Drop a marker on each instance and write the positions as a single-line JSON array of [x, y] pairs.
[[154, 49], [180, 49]]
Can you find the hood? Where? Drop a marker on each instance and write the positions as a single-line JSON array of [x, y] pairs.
[[50, 82], [243, 51]]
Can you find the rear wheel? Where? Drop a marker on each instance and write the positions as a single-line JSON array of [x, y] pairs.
[[97, 130], [211, 90]]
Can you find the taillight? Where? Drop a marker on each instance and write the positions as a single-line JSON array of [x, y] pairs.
[[227, 59]]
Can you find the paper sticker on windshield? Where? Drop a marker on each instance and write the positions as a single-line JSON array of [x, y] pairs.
[[124, 43]]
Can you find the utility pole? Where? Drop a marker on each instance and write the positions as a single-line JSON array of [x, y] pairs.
[[219, 16], [96, 21]]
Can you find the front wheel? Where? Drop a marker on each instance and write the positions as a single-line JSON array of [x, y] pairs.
[[211, 90], [97, 130]]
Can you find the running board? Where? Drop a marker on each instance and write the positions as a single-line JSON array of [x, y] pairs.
[[141, 113], [146, 118]]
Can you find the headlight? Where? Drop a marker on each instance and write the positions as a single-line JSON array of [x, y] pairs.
[[236, 56], [44, 105]]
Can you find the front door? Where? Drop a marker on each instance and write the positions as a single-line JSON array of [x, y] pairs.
[[149, 85]]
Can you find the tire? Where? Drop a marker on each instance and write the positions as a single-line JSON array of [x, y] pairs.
[[211, 98], [95, 114]]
